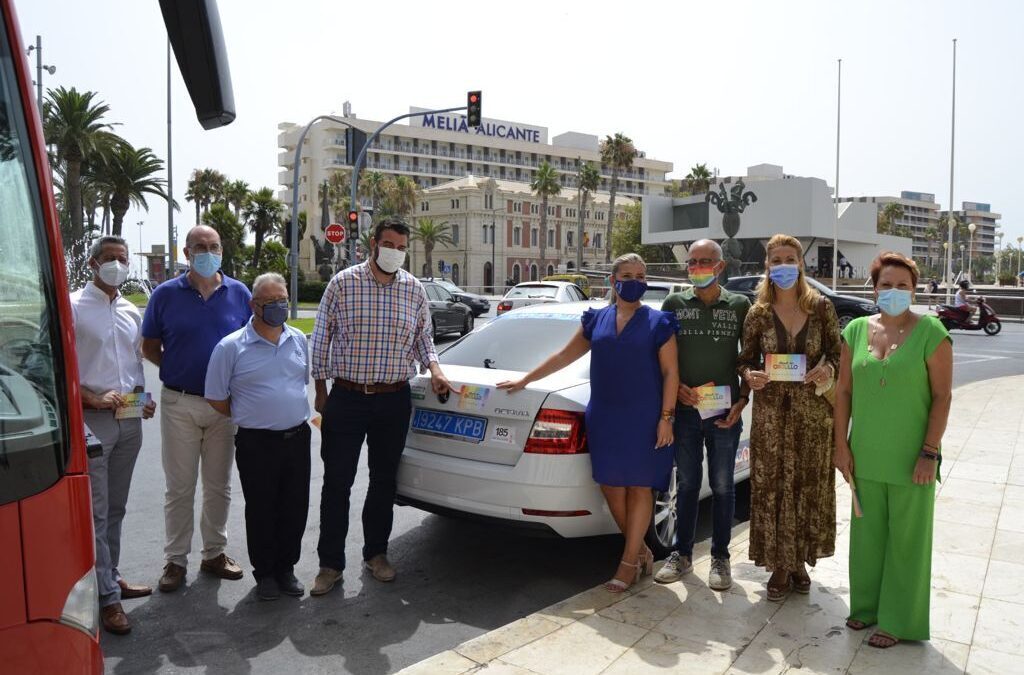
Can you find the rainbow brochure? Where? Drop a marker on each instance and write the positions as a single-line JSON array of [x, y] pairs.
[[714, 400], [786, 367], [133, 405]]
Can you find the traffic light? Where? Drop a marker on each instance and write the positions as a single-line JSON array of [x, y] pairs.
[[353, 221], [355, 139], [473, 114], [288, 234], [440, 266]]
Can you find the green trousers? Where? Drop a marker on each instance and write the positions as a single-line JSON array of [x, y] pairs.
[[891, 558]]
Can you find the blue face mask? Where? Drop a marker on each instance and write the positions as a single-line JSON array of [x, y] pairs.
[[206, 264], [894, 301], [784, 276], [630, 290], [275, 313]]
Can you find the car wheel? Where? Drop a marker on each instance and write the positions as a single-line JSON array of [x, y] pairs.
[[993, 327], [844, 320], [467, 327], [662, 532]]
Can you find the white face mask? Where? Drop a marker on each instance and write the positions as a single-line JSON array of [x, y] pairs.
[[389, 259], [113, 273]]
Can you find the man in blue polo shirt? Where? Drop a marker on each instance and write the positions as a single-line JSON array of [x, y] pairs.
[[185, 319], [258, 377]]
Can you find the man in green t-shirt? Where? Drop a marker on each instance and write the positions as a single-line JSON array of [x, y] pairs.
[[710, 330]]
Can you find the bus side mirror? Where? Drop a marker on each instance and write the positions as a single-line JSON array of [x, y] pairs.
[[193, 27]]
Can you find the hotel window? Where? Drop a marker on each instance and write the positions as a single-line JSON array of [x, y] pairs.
[[516, 236], [568, 238], [455, 234], [533, 237], [551, 238], [517, 207], [485, 235], [455, 203], [533, 273], [424, 206], [551, 210], [534, 209], [597, 240]]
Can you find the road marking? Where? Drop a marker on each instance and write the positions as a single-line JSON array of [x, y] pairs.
[[976, 358]]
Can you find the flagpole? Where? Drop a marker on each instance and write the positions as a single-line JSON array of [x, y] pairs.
[[950, 219], [835, 225]]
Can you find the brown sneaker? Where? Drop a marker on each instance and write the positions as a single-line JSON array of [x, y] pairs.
[[173, 578], [222, 566], [129, 591], [380, 568], [115, 620], [325, 580]]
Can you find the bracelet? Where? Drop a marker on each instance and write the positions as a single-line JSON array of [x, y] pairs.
[[668, 411], [928, 446], [928, 454]]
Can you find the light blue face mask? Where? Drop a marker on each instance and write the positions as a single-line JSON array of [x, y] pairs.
[[894, 301], [206, 264], [784, 276]]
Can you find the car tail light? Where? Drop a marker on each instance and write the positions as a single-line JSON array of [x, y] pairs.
[[504, 306], [557, 432], [81, 608]]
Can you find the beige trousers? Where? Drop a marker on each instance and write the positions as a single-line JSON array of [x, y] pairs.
[[196, 440]]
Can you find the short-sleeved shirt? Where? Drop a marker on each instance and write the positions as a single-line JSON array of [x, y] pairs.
[[889, 421], [266, 382], [369, 332], [189, 327], [107, 341], [708, 337]]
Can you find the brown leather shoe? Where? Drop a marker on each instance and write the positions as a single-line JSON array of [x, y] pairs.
[[129, 591], [115, 620], [325, 580], [380, 568], [173, 578], [222, 566]]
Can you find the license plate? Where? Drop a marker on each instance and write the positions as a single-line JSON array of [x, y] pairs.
[[463, 427]]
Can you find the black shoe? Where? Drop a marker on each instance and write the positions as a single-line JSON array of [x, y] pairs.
[[289, 585], [267, 589]]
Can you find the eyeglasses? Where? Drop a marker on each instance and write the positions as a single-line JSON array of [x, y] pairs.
[[203, 248], [701, 262]]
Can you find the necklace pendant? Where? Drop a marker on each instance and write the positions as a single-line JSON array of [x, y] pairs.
[[892, 348], [881, 382]]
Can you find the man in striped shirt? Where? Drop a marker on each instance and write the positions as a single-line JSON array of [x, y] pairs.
[[371, 329]]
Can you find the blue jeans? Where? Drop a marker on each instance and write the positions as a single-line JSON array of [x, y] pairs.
[[692, 435]]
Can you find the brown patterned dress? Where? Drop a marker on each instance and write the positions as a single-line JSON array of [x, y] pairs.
[[792, 480]]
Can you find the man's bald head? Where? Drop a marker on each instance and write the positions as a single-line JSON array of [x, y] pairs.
[[201, 234], [705, 248]]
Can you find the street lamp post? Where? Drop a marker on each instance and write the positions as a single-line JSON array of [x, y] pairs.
[[142, 267], [970, 260], [962, 266], [999, 254], [1020, 241], [38, 46]]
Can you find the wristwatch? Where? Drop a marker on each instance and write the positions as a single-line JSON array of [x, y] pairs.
[[669, 416]]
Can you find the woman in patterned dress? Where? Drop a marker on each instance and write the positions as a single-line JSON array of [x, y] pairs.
[[792, 498]]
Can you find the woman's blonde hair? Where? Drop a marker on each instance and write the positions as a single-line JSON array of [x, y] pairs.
[[807, 297], [624, 259]]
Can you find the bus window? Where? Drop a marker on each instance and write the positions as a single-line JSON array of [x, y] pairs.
[[33, 445]]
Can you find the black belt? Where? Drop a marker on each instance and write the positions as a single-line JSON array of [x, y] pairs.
[[182, 391], [284, 434]]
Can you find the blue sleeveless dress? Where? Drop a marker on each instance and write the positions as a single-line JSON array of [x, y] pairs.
[[625, 397]]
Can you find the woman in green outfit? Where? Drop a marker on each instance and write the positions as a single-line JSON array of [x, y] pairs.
[[895, 385]]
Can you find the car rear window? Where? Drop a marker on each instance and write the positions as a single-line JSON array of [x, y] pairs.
[[533, 292], [655, 294], [516, 341]]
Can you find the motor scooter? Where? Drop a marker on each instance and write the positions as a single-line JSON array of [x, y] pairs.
[[952, 318]]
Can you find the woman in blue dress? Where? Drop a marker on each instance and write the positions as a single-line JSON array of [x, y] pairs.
[[634, 378]]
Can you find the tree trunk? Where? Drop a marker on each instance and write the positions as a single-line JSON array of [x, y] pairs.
[[579, 231], [257, 247], [428, 254], [543, 227], [74, 185], [611, 215], [198, 215]]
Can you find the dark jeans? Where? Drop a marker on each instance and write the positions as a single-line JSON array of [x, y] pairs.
[[349, 418], [692, 435], [273, 467]]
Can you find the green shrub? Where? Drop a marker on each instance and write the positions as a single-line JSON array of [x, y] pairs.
[[312, 291]]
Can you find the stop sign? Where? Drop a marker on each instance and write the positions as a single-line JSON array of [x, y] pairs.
[[335, 233]]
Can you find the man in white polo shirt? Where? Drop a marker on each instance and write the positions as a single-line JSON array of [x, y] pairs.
[[108, 343], [258, 376]]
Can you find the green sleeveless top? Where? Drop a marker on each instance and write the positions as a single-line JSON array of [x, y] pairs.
[[891, 401]]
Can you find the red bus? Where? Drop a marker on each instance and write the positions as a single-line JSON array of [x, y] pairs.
[[49, 617]]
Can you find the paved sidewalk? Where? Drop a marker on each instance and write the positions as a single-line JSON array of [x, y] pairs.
[[977, 599]]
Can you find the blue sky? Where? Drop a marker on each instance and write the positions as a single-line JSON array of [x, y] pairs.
[[731, 85]]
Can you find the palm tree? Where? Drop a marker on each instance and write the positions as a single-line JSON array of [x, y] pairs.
[[403, 195], [588, 178], [262, 214], [339, 187], [205, 187], [231, 232], [236, 193], [888, 216], [617, 153], [699, 179], [431, 234], [127, 175], [73, 123], [545, 183], [373, 185], [364, 244]]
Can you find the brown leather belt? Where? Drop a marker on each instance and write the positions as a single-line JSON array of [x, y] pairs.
[[379, 388]]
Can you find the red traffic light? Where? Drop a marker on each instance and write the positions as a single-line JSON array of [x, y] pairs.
[[473, 104], [353, 217], [473, 98]]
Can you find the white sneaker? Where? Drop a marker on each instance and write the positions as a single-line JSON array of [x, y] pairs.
[[720, 578], [674, 569]]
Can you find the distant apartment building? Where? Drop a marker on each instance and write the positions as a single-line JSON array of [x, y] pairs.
[[435, 149], [920, 213], [984, 219]]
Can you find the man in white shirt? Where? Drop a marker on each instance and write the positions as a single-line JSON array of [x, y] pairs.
[[108, 342]]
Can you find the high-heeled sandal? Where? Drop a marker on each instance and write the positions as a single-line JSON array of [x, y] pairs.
[[779, 593], [646, 561], [801, 584], [614, 585]]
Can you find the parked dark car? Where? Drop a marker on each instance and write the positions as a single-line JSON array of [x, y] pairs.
[[447, 315], [848, 307], [478, 303]]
